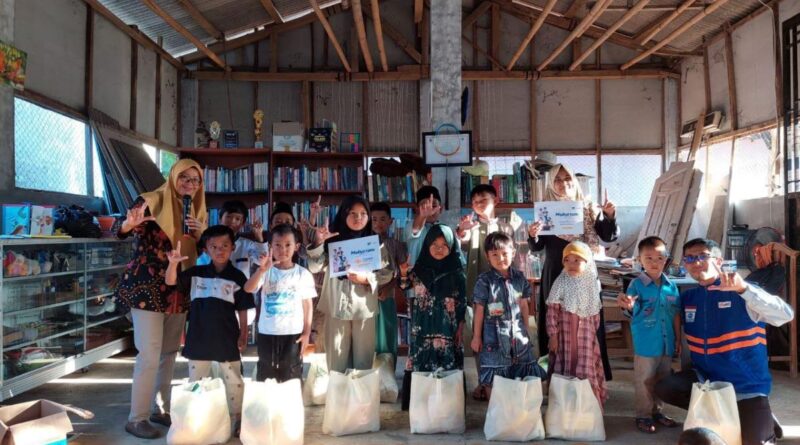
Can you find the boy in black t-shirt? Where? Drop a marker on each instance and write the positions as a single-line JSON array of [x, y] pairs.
[[215, 334]]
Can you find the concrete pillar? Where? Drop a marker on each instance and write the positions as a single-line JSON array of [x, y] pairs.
[[445, 89], [7, 103], [188, 108]]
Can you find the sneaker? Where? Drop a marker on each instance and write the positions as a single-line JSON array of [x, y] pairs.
[[161, 419], [142, 429]]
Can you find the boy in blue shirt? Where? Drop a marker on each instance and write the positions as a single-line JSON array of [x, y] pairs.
[[724, 322], [653, 305]]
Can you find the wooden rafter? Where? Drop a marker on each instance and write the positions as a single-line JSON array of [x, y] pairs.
[[475, 14], [656, 8], [272, 10], [376, 23], [361, 31], [418, 7], [398, 38], [574, 8], [587, 21], [611, 30], [201, 20], [677, 32], [328, 30], [665, 21], [531, 33], [151, 4], [495, 63], [133, 33]]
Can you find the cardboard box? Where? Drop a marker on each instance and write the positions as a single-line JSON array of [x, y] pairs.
[[40, 422], [287, 136]]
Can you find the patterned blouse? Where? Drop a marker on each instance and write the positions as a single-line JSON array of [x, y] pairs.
[[142, 285]]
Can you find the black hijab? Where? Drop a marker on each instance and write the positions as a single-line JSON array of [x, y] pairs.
[[441, 277], [339, 224]]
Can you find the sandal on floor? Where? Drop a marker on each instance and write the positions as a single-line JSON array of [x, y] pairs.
[[645, 425], [479, 393], [664, 420]]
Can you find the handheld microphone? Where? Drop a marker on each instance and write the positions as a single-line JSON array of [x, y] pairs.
[[187, 203]]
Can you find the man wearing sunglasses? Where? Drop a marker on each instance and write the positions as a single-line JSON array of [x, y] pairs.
[[724, 322]]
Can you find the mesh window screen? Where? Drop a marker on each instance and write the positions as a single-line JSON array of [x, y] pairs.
[[629, 179], [50, 150]]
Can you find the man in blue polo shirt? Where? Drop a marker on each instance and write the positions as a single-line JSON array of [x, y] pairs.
[[724, 322]]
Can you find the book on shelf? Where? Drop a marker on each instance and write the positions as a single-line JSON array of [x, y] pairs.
[[516, 188], [302, 211], [322, 178], [254, 177], [396, 189]]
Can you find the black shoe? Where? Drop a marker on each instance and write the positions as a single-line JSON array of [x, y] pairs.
[[778, 428], [161, 419], [142, 429]]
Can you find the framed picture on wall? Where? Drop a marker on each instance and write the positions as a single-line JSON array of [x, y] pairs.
[[447, 149]]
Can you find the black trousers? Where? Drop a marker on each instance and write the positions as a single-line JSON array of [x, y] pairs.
[[755, 415], [279, 358]]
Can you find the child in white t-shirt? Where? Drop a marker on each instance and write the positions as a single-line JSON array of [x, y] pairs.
[[284, 323]]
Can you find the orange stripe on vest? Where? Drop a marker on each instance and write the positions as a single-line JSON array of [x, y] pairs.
[[729, 336]]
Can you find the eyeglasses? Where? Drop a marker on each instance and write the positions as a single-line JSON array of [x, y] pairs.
[[191, 180], [691, 259]]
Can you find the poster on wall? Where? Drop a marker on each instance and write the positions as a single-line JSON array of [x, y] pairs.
[[12, 66], [559, 217], [354, 255], [42, 220]]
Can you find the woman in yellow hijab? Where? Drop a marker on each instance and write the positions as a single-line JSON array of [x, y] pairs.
[[156, 222]]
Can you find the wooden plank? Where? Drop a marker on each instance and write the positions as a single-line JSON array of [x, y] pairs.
[[201, 20], [595, 12], [157, 114], [698, 136], [734, 117], [666, 21], [537, 24], [656, 8], [328, 30], [398, 38], [153, 6], [361, 31], [418, 8], [272, 10], [133, 33], [88, 78], [494, 35], [475, 14], [609, 32], [676, 32], [376, 23], [134, 75]]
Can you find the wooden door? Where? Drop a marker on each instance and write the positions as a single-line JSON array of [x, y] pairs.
[[671, 206]]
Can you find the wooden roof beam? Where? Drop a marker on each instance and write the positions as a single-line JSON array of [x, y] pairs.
[[656, 8], [475, 14], [675, 33], [418, 11], [662, 23], [587, 21], [532, 32], [361, 31], [184, 32], [397, 37], [376, 23], [201, 20], [133, 33], [611, 30], [328, 30], [272, 10]]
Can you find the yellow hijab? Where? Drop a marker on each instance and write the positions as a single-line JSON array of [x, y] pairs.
[[166, 205]]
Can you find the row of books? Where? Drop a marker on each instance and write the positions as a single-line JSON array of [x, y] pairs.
[[257, 213], [322, 178], [516, 188], [302, 211], [254, 177], [399, 189]]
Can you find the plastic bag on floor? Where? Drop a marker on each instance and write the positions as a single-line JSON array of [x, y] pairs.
[[515, 410], [272, 413], [316, 384], [713, 406], [573, 412], [353, 403], [384, 363], [437, 402], [199, 414]]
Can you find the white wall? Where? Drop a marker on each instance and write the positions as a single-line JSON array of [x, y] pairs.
[[112, 71]]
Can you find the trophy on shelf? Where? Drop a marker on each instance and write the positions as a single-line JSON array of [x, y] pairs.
[[214, 131], [258, 117]]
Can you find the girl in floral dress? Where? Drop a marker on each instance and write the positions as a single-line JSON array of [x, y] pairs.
[[438, 306]]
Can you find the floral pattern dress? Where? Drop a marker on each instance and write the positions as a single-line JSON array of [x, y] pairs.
[[434, 324]]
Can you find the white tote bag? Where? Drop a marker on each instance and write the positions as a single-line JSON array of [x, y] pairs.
[[573, 412], [272, 413], [199, 414], [316, 384], [515, 410], [384, 363], [353, 403], [713, 406], [437, 402]]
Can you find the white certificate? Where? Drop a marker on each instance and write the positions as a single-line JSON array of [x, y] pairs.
[[559, 217], [355, 255]]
